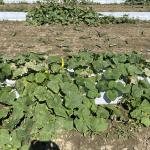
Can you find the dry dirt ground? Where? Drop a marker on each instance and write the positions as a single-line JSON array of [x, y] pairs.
[[75, 141], [18, 37], [107, 7]]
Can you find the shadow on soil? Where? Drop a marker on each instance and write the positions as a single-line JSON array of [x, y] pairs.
[[43, 145]]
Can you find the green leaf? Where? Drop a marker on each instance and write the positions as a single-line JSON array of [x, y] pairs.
[[112, 74], [36, 67], [102, 85], [63, 123], [23, 135], [80, 81], [30, 77], [54, 86], [67, 87], [42, 116], [82, 112], [40, 77], [15, 142], [133, 70], [90, 84], [102, 113], [45, 133], [54, 59], [126, 89], [137, 92], [98, 124], [120, 87], [3, 112], [112, 84], [7, 96], [24, 147], [54, 101], [93, 93], [112, 94], [81, 125], [20, 72], [20, 85], [123, 69], [17, 114], [146, 121], [144, 83], [60, 111], [4, 137], [73, 100], [55, 68], [42, 94], [5, 71]]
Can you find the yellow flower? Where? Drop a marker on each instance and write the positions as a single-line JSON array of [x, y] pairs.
[[62, 62]]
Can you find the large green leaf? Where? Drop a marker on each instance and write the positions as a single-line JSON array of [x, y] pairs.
[[102, 85], [53, 85], [20, 72], [3, 112], [15, 141], [137, 92], [112, 74], [19, 108], [55, 68], [112, 94], [4, 137], [40, 77], [145, 121], [81, 125], [67, 87], [93, 93], [73, 100], [102, 113], [42, 94], [90, 84], [63, 123], [5, 71], [60, 111], [7, 96], [98, 124], [41, 116], [133, 70]]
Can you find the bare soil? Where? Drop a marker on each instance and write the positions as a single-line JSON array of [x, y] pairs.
[[121, 7], [75, 141], [96, 7], [16, 7], [18, 37]]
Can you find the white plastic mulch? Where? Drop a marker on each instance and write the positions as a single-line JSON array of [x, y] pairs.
[[21, 16], [94, 1], [135, 15], [13, 16]]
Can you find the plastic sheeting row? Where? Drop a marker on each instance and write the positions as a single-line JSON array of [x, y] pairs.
[[94, 1], [21, 16]]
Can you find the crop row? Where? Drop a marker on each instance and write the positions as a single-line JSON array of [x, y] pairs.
[[40, 96]]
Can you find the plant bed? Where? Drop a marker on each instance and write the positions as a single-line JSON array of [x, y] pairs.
[[53, 13], [45, 95]]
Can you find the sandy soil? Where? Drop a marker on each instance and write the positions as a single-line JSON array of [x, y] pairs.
[[106, 7], [121, 7], [76, 141], [18, 37]]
